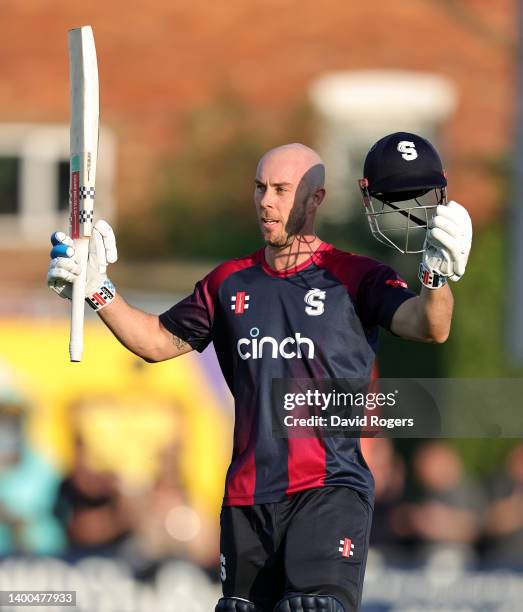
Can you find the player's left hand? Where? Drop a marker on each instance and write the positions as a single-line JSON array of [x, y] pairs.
[[447, 245]]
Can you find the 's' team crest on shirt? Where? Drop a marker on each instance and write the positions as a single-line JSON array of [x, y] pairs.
[[240, 302], [346, 548], [315, 300]]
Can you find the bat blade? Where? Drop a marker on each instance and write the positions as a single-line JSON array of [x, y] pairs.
[[83, 74]]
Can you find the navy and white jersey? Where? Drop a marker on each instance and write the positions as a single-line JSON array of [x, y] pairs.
[[317, 320]]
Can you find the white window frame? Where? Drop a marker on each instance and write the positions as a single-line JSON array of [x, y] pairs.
[[40, 148], [356, 108]]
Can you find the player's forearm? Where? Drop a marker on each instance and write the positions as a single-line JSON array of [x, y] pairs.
[[435, 308], [140, 332], [425, 318]]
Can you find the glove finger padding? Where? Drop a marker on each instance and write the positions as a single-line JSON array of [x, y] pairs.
[[64, 269], [97, 256], [447, 225], [447, 244], [441, 239], [102, 247], [457, 213], [61, 238], [109, 240]]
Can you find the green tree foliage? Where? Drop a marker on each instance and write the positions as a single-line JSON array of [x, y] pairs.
[[205, 205], [476, 347]]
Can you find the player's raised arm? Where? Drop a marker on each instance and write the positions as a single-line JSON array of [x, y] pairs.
[[404, 192], [425, 318], [140, 332], [446, 250]]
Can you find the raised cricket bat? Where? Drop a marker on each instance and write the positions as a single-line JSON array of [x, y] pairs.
[[83, 73]]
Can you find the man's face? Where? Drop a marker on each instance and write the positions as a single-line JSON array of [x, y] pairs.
[[281, 196]]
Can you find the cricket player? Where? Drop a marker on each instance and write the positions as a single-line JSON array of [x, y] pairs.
[[296, 512]]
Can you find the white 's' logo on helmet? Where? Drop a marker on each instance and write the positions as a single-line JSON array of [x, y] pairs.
[[314, 299], [408, 150]]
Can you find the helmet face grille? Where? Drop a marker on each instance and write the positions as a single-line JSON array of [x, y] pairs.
[[402, 225]]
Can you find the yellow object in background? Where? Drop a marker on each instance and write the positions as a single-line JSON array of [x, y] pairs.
[[126, 410]]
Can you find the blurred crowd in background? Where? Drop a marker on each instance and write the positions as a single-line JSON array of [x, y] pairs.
[[111, 477], [433, 502], [426, 499], [91, 508]]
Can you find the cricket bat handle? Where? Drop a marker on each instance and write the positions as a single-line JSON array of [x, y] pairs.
[[76, 342]]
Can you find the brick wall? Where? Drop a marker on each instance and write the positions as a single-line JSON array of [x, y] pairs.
[[162, 58]]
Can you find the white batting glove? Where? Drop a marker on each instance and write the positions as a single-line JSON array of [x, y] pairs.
[[64, 266], [447, 246]]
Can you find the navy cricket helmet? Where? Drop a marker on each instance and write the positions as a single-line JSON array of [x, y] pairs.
[[402, 167]]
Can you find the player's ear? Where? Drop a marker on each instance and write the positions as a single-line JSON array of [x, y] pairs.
[[318, 196]]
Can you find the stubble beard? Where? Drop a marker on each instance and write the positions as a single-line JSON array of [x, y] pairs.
[[280, 242], [294, 225]]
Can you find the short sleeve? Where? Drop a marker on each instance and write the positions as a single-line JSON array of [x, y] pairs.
[[380, 294], [191, 319]]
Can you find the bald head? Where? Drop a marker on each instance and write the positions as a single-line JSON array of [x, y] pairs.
[[296, 162], [289, 189]]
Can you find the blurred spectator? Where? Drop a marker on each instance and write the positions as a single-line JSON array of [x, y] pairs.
[[167, 526], [448, 504], [146, 520], [28, 482], [504, 526], [388, 470], [92, 508]]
